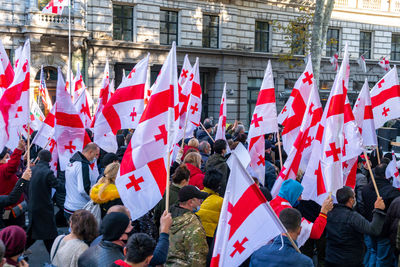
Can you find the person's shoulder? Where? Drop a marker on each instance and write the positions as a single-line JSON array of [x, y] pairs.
[[304, 261]]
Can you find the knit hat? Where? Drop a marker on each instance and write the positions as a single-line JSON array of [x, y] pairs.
[[3, 153], [114, 225], [14, 238]]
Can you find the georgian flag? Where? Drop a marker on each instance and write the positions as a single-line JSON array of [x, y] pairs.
[[222, 117], [55, 7], [384, 64], [184, 91], [334, 60], [393, 171], [104, 94], [82, 106], [6, 70]]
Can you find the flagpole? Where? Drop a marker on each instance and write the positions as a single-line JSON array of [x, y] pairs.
[[167, 188], [69, 47], [48, 142], [279, 148], [204, 128], [371, 174], [377, 155]]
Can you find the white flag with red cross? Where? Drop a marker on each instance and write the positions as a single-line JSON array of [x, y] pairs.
[[384, 64], [362, 64], [184, 91], [299, 155], [70, 133], [104, 94], [142, 177], [324, 173], [6, 70], [364, 117], [385, 98], [55, 7], [124, 109], [334, 60], [82, 106], [220, 134], [14, 104], [292, 113], [392, 171], [44, 93], [246, 222]]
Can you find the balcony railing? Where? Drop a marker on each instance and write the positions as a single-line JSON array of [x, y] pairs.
[[392, 6], [38, 19]]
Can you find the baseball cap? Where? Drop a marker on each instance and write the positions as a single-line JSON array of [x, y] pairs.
[[189, 191]]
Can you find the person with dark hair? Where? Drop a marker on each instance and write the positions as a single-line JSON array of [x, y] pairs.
[[79, 178], [115, 228], [138, 251], [345, 230], [67, 249], [42, 224], [14, 238], [218, 161], [188, 245], [210, 209], [8, 178], [108, 158], [180, 178], [281, 252]]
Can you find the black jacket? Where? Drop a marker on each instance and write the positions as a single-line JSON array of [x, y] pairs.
[[12, 198], [102, 255], [392, 221], [40, 205], [345, 231], [218, 162]]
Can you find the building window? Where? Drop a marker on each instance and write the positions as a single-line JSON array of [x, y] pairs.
[[123, 23], [168, 27], [262, 37], [365, 44], [253, 88], [332, 42], [298, 39], [395, 55], [210, 31]]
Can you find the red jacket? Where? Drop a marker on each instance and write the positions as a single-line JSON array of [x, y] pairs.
[[8, 179], [196, 176], [279, 203]]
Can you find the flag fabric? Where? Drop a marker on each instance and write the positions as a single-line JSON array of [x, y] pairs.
[[82, 106], [44, 93], [78, 84], [36, 116], [184, 92], [70, 133], [299, 155], [124, 109], [385, 98], [392, 171], [12, 112], [384, 64], [324, 173], [246, 222], [55, 7], [104, 93], [292, 113], [222, 117], [364, 118], [6, 70], [142, 177], [362, 64], [334, 60]]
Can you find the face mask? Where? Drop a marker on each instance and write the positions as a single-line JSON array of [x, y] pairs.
[[93, 160], [354, 204], [196, 209]]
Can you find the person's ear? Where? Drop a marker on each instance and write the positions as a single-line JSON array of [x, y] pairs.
[[124, 251], [299, 231], [148, 259]]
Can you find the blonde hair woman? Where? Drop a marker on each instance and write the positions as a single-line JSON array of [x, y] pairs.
[[105, 192], [193, 162]]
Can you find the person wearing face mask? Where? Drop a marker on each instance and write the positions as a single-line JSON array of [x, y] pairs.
[[80, 176], [115, 228], [346, 228], [188, 245], [8, 178]]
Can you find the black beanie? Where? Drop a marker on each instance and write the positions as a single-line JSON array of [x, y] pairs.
[[114, 225], [3, 153]]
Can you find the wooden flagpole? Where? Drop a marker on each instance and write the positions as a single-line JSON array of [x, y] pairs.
[[370, 173], [279, 148], [204, 128], [378, 155]]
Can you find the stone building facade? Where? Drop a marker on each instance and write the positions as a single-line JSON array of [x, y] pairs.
[[234, 39]]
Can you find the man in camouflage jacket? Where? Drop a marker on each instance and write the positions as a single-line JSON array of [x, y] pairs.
[[187, 240]]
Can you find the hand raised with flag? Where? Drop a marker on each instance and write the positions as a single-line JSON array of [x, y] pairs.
[[379, 204], [327, 205]]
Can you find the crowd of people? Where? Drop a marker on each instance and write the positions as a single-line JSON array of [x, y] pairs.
[[359, 229]]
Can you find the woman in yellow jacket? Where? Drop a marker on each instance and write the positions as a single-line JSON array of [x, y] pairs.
[[210, 209], [105, 192]]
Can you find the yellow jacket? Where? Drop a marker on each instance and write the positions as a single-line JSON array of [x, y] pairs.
[[209, 211], [110, 193]]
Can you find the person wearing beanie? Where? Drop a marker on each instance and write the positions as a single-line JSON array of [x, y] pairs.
[[14, 239], [289, 196], [115, 228]]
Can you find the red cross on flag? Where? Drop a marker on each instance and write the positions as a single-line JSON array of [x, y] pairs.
[[392, 171], [70, 133], [222, 117], [82, 106], [246, 222], [104, 93], [124, 109], [384, 64], [292, 113], [14, 104], [324, 173], [334, 60], [6, 70], [364, 117], [184, 91], [55, 7], [385, 98], [299, 155], [142, 177]]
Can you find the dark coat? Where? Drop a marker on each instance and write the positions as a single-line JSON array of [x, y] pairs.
[[345, 229], [218, 162], [160, 207], [392, 221], [102, 255], [40, 206]]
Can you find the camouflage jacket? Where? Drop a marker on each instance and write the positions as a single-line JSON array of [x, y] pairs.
[[187, 239]]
